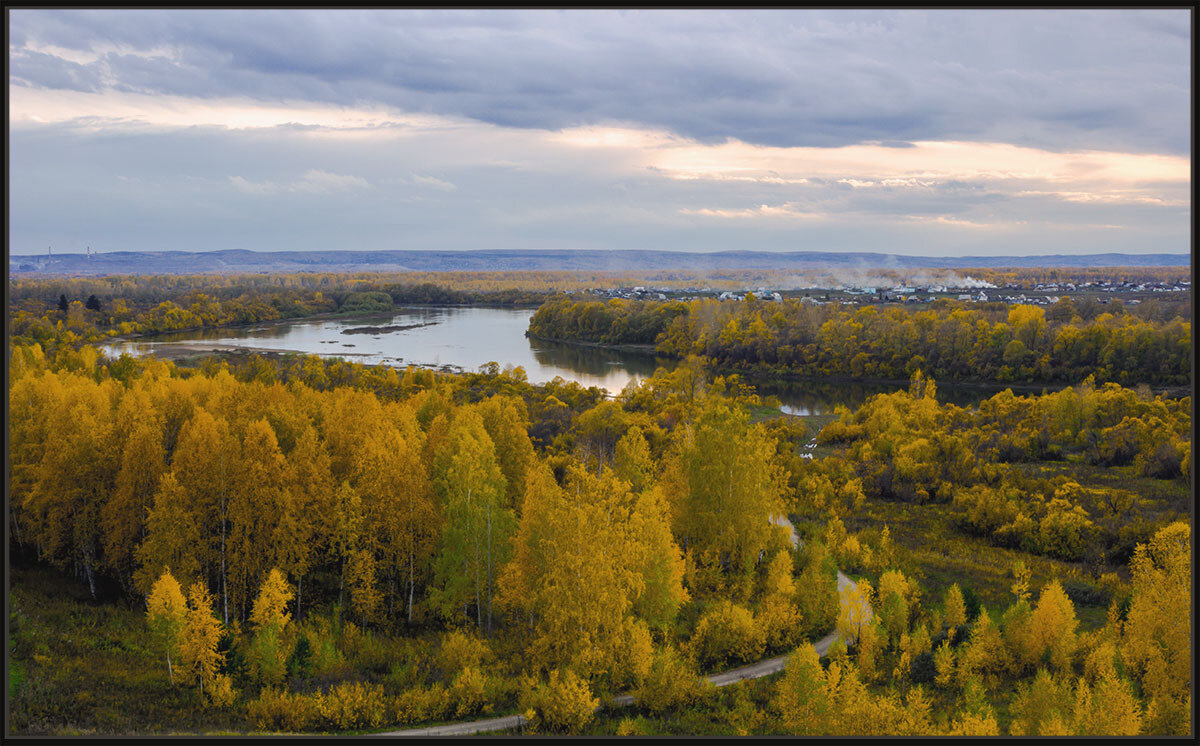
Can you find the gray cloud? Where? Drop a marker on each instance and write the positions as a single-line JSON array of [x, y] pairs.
[[1050, 79], [203, 188]]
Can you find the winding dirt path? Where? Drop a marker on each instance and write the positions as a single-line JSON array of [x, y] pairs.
[[753, 671]]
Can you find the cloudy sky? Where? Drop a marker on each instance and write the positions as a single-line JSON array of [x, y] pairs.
[[912, 132]]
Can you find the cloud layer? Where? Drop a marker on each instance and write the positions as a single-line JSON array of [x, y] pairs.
[[910, 131]]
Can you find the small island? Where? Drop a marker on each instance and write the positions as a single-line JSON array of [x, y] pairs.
[[382, 329]]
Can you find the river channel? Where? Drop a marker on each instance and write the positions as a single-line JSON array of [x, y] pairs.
[[468, 338]]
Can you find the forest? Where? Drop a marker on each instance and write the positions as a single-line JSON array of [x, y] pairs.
[[306, 545], [949, 340]]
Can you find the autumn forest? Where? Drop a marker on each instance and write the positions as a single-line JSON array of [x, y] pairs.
[[234, 544]]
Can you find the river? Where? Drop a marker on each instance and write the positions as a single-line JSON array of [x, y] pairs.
[[468, 338]]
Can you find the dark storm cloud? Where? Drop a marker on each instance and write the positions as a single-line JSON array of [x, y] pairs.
[[1049, 79]]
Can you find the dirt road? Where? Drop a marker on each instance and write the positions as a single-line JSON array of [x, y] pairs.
[[753, 671]]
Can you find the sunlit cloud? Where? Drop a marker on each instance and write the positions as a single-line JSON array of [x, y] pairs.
[[97, 51], [311, 182], [601, 130], [960, 222], [1108, 198], [762, 211], [871, 165], [110, 108]]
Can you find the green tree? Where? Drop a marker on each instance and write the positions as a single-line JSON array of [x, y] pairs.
[[166, 612], [268, 618], [475, 537], [172, 537], [731, 489]]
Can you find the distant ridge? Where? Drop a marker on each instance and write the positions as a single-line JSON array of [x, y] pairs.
[[596, 260]]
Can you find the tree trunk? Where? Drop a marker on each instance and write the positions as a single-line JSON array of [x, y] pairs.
[[410, 585], [224, 579], [489, 568], [478, 599], [412, 542], [478, 596], [87, 570], [12, 511]]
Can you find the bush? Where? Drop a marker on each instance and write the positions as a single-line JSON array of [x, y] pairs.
[[671, 682], [279, 710], [467, 692], [563, 704], [299, 663], [726, 635], [366, 651], [351, 706], [366, 302], [327, 661], [221, 694], [632, 727], [460, 650], [779, 624], [422, 704], [1085, 594]]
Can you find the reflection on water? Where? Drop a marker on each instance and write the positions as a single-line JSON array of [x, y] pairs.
[[597, 362], [468, 338], [820, 397]]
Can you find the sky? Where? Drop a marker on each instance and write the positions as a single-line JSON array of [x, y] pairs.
[[921, 132]]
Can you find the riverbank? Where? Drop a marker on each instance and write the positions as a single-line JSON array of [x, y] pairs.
[[757, 377], [642, 349], [328, 316]]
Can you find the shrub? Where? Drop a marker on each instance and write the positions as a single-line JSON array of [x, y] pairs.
[[280, 710], [779, 624], [366, 302], [422, 704], [1086, 594], [327, 661], [268, 656], [221, 694], [467, 692], [364, 650], [351, 706], [671, 682], [299, 663], [563, 704], [726, 634], [460, 650]]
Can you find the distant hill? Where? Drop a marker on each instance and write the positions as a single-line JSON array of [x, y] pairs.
[[241, 261]]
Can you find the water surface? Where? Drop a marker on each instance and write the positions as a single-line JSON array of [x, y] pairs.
[[469, 338]]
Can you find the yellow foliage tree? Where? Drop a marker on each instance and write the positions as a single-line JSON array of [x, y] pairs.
[[801, 699], [1053, 626], [955, 613], [201, 634], [563, 704], [269, 617], [854, 609], [172, 537], [1156, 645], [167, 611], [1108, 709]]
